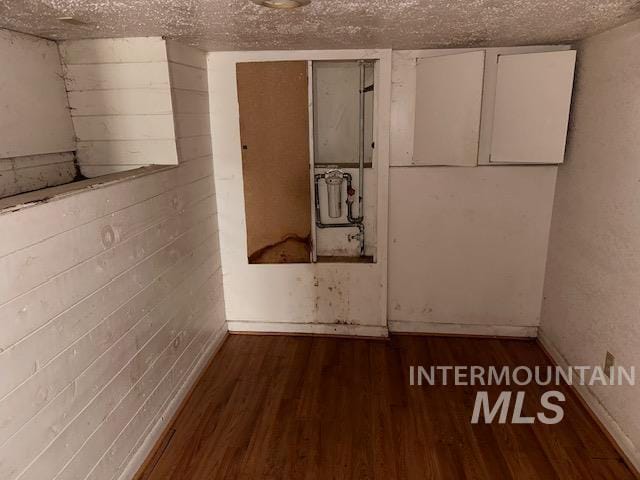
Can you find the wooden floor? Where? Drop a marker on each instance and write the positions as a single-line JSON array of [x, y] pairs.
[[278, 407]]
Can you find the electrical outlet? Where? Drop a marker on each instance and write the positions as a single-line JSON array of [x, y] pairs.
[[609, 361]]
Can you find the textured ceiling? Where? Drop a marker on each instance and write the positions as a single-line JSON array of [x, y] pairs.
[[324, 24]]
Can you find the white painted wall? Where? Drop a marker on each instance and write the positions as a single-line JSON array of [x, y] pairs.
[[121, 103], [467, 246], [36, 134], [319, 298], [591, 302], [111, 304]]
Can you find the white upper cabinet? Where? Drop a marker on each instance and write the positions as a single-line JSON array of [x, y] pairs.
[[531, 109], [447, 109]]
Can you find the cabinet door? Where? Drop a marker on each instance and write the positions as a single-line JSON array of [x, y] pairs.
[[448, 102], [274, 130], [531, 112]]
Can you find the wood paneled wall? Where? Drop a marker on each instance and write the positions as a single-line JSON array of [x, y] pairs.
[[110, 304], [32, 172], [120, 98], [190, 98]]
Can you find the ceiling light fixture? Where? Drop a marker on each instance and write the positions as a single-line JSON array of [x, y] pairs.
[[282, 4]]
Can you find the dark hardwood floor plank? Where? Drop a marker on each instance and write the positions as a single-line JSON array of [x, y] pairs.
[[285, 407]]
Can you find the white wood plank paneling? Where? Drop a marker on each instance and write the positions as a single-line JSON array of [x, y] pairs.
[[35, 116], [41, 262], [23, 180], [154, 406], [119, 94], [129, 127], [105, 353], [192, 125], [190, 148], [92, 171], [135, 101], [127, 152], [116, 303], [25, 174], [448, 100], [114, 50], [184, 375], [25, 313], [111, 76], [75, 353], [32, 225], [180, 53], [100, 386], [130, 447], [172, 341], [73, 359], [31, 161], [189, 101], [185, 77]]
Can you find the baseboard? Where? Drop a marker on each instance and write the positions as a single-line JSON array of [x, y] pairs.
[[158, 431], [623, 443], [396, 326], [308, 328]]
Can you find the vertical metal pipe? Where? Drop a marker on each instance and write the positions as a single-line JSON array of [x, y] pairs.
[[361, 151], [312, 161], [361, 148]]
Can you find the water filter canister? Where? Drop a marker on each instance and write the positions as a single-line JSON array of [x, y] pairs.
[[334, 180]]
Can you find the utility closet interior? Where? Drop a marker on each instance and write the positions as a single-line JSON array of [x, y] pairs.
[[249, 239]]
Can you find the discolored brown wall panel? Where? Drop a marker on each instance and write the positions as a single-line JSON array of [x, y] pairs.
[[274, 130]]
